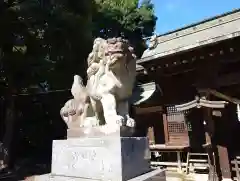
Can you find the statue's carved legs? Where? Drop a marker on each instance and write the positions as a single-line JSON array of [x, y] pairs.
[[113, 120], [123, 110], [96, 105]]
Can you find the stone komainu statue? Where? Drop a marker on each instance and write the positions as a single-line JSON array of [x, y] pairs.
[[111, 76]]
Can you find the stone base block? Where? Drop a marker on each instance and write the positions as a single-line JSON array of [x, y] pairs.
[[101, 158]]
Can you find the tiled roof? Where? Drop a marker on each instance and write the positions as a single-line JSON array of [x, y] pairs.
[[206, 32]]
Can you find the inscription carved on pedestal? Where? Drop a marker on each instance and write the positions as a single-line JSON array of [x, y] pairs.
[[108, 158], [81, 158]]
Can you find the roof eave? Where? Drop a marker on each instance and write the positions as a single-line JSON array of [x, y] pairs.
[[189, 47]]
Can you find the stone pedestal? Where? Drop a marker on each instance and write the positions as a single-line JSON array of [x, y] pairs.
[[96, 132], [101, 157]]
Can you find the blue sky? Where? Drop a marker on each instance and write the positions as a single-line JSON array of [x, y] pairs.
[[173, 14]]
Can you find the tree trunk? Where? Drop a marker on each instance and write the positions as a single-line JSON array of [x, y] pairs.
[[8, 132]]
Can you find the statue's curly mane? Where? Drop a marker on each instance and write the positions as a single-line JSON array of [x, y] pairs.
[[98, 50]]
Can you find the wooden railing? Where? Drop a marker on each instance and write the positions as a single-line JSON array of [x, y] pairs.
[[236, 168]]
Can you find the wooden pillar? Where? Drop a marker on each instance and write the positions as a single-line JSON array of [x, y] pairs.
[[210, 144], [222, 144], [165, 126], [208, 79], [224, 162], [218, 153]]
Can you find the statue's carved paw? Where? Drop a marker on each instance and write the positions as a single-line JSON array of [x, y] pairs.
[[108, 129], [119, 120], [113, 125], [130, 122]]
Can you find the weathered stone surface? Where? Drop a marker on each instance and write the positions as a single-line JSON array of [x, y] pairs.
[[49, 177], [154, 175], [135, 157], [123, 131], [104, 158], [111, 77]]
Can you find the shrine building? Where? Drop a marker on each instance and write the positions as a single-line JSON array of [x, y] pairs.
[[190, 84]]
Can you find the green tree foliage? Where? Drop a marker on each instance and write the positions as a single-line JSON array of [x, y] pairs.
[[47, 41], [43, 40], [132, 19]]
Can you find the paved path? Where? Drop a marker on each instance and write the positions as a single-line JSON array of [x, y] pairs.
[[174, 176]]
